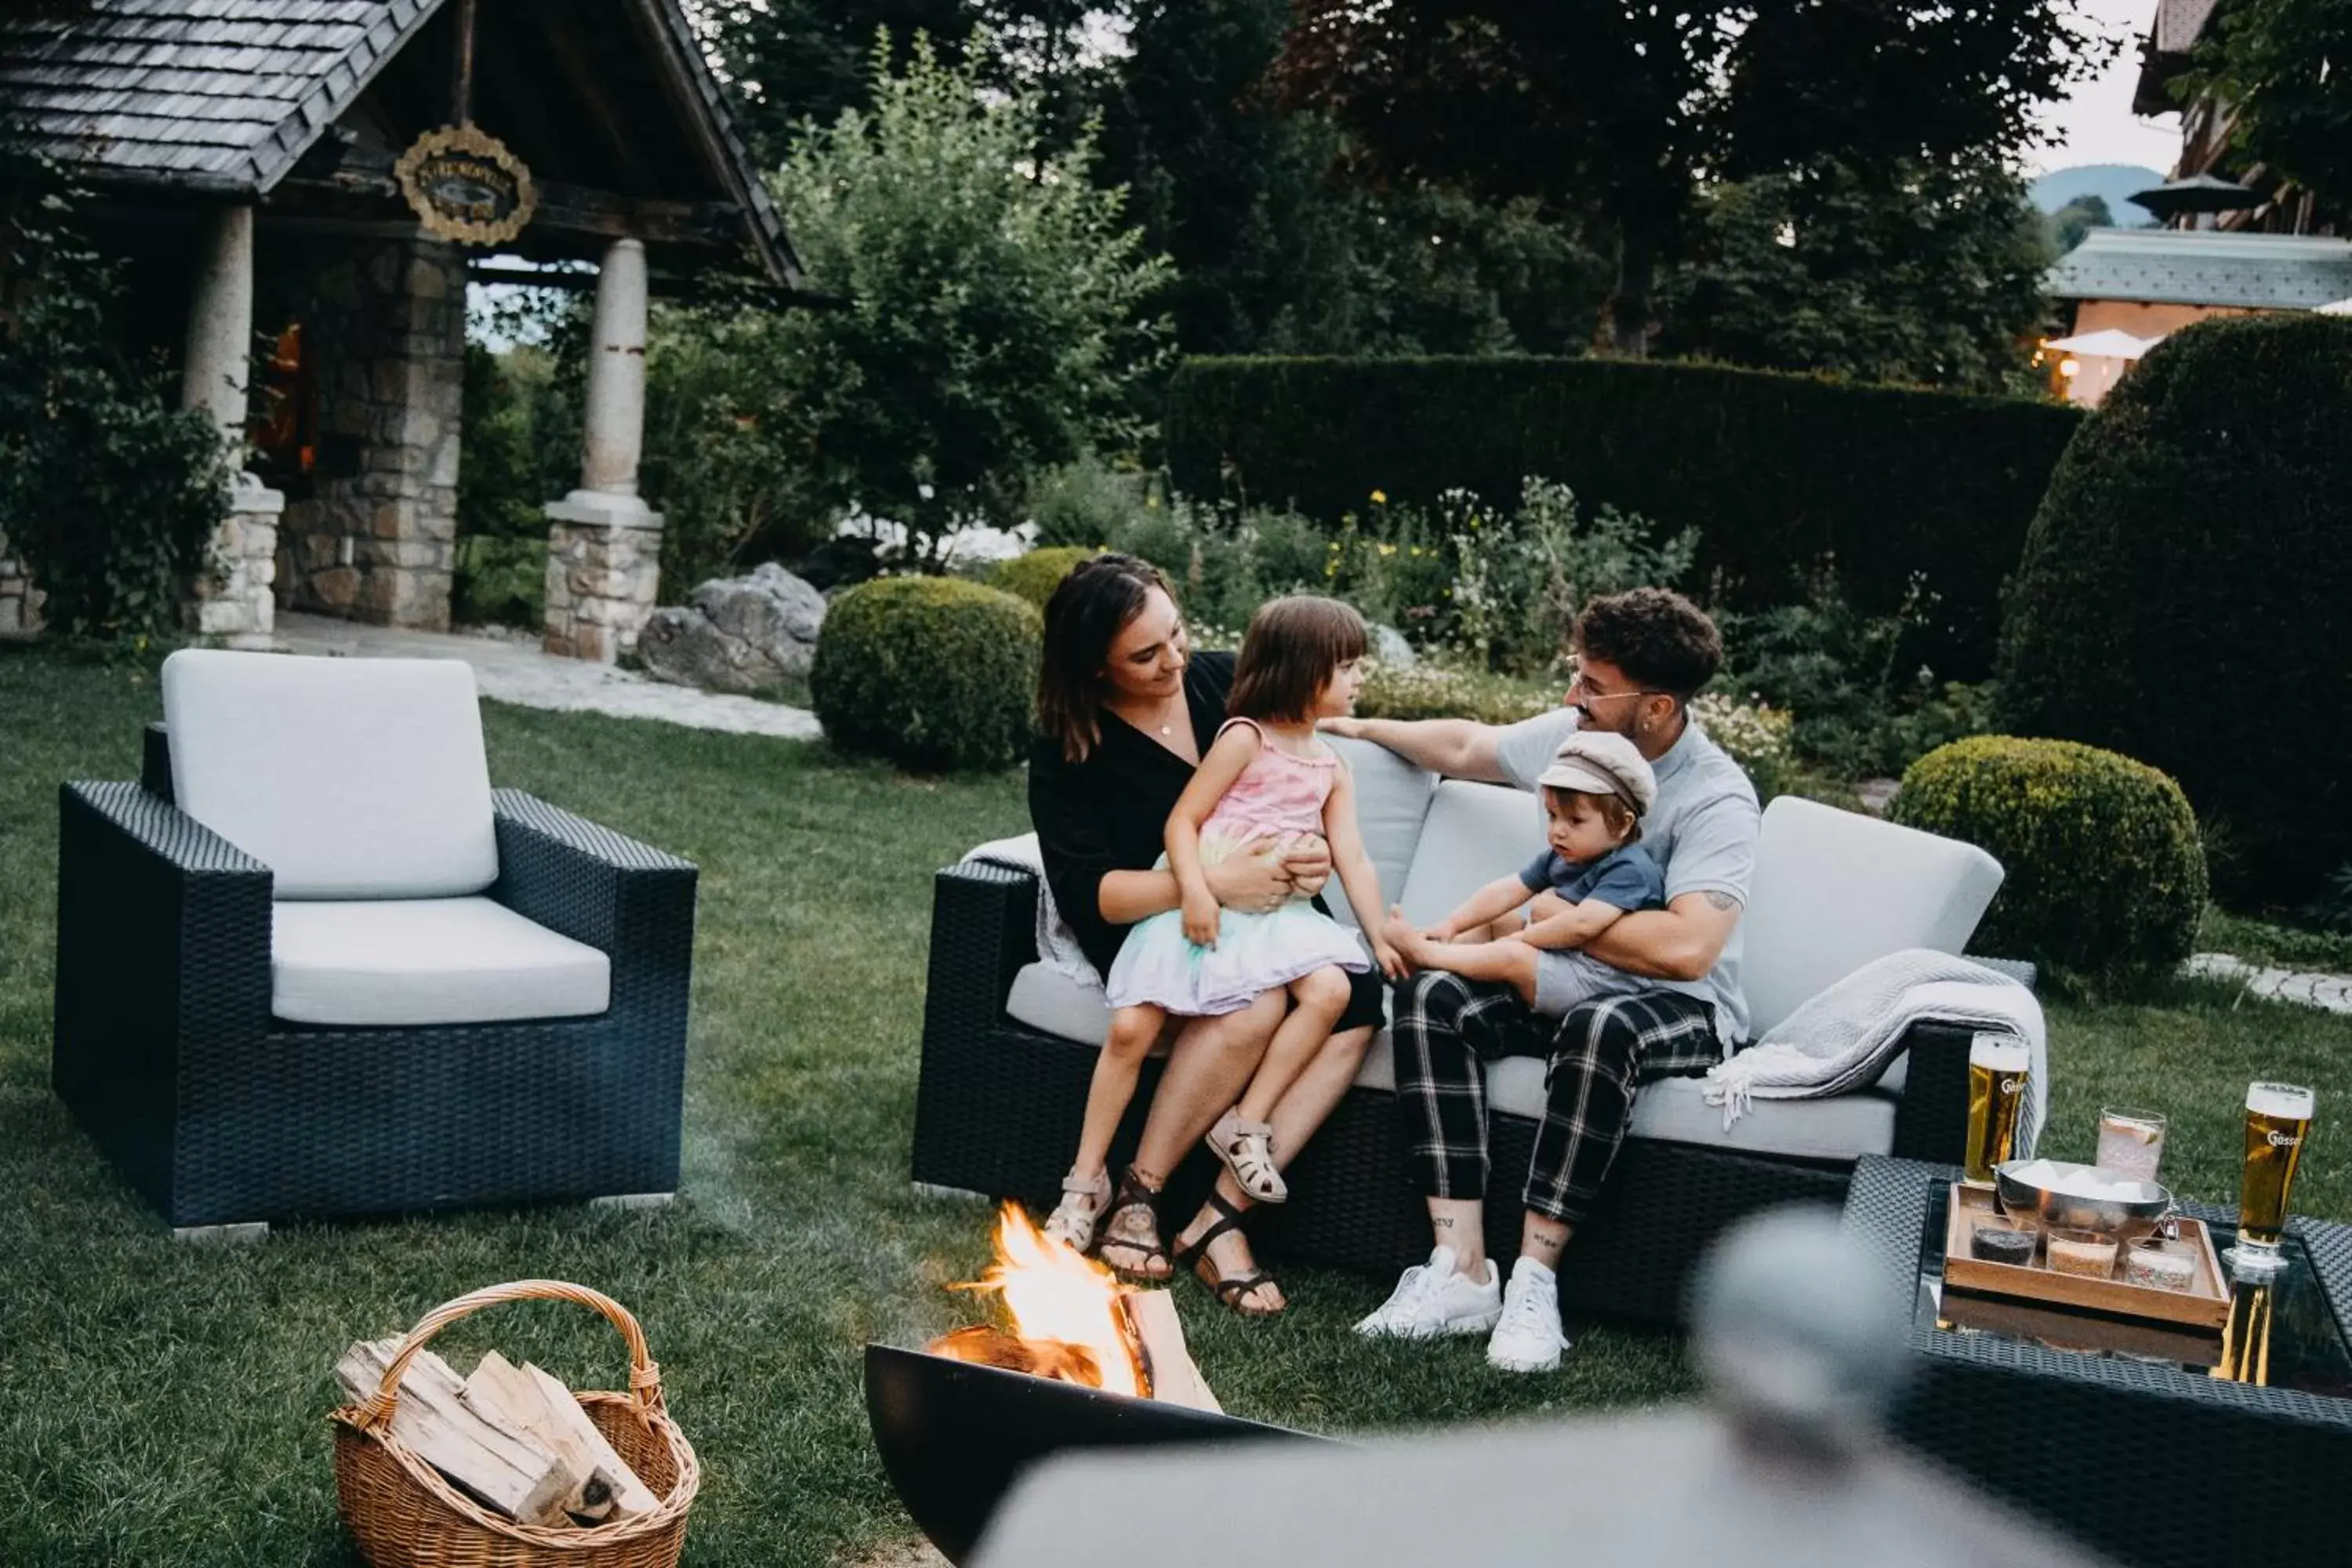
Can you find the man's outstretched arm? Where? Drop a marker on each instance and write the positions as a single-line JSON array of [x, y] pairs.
[[1681, 941], [1458, 748]]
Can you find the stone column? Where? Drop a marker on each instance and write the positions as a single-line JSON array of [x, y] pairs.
[[604, 543], [234, 597]]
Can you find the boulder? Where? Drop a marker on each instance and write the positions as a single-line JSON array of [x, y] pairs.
[[1391, 649], [736, 634]]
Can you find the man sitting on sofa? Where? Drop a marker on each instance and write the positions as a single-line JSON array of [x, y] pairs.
[[1640, 657]]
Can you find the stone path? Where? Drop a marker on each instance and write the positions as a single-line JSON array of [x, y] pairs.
[[2310, 989], [512, 668]]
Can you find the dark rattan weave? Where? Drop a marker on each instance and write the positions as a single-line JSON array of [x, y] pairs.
[[218, 1113], [998, 1104], [2139, 1460]]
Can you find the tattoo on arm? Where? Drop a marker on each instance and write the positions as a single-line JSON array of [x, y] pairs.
[[1723, 901]]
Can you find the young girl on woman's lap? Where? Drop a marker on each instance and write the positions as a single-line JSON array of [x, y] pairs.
[[1266, 778]]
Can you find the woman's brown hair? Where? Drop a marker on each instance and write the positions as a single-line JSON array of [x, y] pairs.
[[1293, 645], [1083, 618]]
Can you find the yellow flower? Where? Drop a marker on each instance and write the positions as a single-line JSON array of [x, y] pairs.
[[1380, 498], [1388, 549]]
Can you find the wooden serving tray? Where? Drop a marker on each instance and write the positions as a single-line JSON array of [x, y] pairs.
[[2205, 1304]]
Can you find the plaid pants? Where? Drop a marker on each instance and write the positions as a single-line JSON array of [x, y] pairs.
[[1446, 1026]]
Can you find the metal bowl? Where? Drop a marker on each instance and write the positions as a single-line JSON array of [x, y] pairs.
[[2126, 1219]]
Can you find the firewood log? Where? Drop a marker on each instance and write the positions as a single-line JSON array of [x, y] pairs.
[[526, 1400], [510, 1472]]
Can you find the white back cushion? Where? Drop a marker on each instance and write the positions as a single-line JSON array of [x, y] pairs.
[[1473, 833], [351, 778], [1391, 799], [1835, 889]]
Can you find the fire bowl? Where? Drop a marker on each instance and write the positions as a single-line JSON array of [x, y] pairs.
[[954, 1435]]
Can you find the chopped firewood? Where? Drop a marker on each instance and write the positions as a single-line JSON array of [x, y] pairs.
[[1038, 1358], [510, 1472], [527, 1400], [1174, 1379]]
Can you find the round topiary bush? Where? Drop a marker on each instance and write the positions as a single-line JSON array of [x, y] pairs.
[[2106, 876], [931, 673], [1036, 575], [2186, 592]]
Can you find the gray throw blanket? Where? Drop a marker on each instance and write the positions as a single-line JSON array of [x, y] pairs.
[[1057, 944], [1842, 1039]]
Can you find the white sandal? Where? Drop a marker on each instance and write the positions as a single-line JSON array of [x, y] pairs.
[[1074, 1219], [1247, 1150]]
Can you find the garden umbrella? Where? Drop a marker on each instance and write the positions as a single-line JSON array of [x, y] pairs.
[[2108, 343]]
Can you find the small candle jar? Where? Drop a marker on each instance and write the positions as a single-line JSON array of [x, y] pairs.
[[2084, 1253], [2159, 1264], [2000, 1241]]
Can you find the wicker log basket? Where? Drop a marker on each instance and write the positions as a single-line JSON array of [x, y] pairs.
[[403, 1512]]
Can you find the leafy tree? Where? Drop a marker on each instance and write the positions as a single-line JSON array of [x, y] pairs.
[[108, 489], [1933, 278], [2285, 68], [1625, 108], [1273, 253], [996, 308], [2078, 217], [796, 60]]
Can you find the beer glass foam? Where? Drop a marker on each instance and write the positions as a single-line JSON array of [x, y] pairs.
[[2283, 1100]]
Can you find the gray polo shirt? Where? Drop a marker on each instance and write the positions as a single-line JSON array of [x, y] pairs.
[[1703, 830]]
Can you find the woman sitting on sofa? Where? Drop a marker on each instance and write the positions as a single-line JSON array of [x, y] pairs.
[[1125, 712]]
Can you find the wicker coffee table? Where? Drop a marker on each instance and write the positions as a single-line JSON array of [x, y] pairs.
[[2113, 1444]]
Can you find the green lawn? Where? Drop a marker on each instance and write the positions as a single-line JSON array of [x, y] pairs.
[[165, 1403]]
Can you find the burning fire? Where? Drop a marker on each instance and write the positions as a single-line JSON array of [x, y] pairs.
[[1069, 1318]]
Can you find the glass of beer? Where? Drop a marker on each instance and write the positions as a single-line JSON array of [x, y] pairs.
[[1998, 1069], [2278, 1122]]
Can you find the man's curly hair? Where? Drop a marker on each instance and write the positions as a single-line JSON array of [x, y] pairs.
[[1660, 639]]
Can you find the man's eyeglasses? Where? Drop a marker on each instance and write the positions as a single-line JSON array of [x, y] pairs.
[[1576, 688]]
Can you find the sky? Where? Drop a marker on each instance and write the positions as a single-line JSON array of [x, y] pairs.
[[2097, 125]]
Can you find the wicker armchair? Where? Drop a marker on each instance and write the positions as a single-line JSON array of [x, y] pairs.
[[222, 1114]]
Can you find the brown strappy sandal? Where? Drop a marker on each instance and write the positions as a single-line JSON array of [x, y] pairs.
[[1232, 1289], [1133, 1194]]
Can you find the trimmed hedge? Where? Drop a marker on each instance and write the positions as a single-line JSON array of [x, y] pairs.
[[931, 673], [2186, 593], [2106, 872], [1777, 472], [1034, 575]]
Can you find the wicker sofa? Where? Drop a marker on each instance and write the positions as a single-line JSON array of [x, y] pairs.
[[312, 965], [1009, 1043]]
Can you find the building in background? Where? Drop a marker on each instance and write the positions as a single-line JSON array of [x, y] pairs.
[[301, 191]]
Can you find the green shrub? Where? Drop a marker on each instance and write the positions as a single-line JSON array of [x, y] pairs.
[[2186, 593], [1777, 472], [2106, 876], [931, 673], [1084, 502], [1034, 576], [109, 491]]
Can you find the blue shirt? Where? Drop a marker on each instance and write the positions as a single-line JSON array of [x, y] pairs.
[[1703, 828], [1625, 878]]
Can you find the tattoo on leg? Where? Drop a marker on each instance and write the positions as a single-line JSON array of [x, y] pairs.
[[1443, 1222]]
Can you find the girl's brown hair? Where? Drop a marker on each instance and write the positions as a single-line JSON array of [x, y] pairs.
[[1083, 618], [1293, 645]]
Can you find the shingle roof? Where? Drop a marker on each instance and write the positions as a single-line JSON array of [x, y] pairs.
[[2199, 267], [225, 95], [220, 95]]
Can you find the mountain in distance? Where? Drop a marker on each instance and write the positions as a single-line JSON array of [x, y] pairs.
[[2113, 183]]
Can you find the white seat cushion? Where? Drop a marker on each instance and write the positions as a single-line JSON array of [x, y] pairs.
[[426, 961], [1473, 833], [1835, 889], [349, 778], [1844, 1128], [1391, 799]]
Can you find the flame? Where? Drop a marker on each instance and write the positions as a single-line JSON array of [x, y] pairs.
[[1053, 1293]]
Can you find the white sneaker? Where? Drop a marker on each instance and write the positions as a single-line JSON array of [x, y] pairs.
[[1528, 1338], [1435, 1298]]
